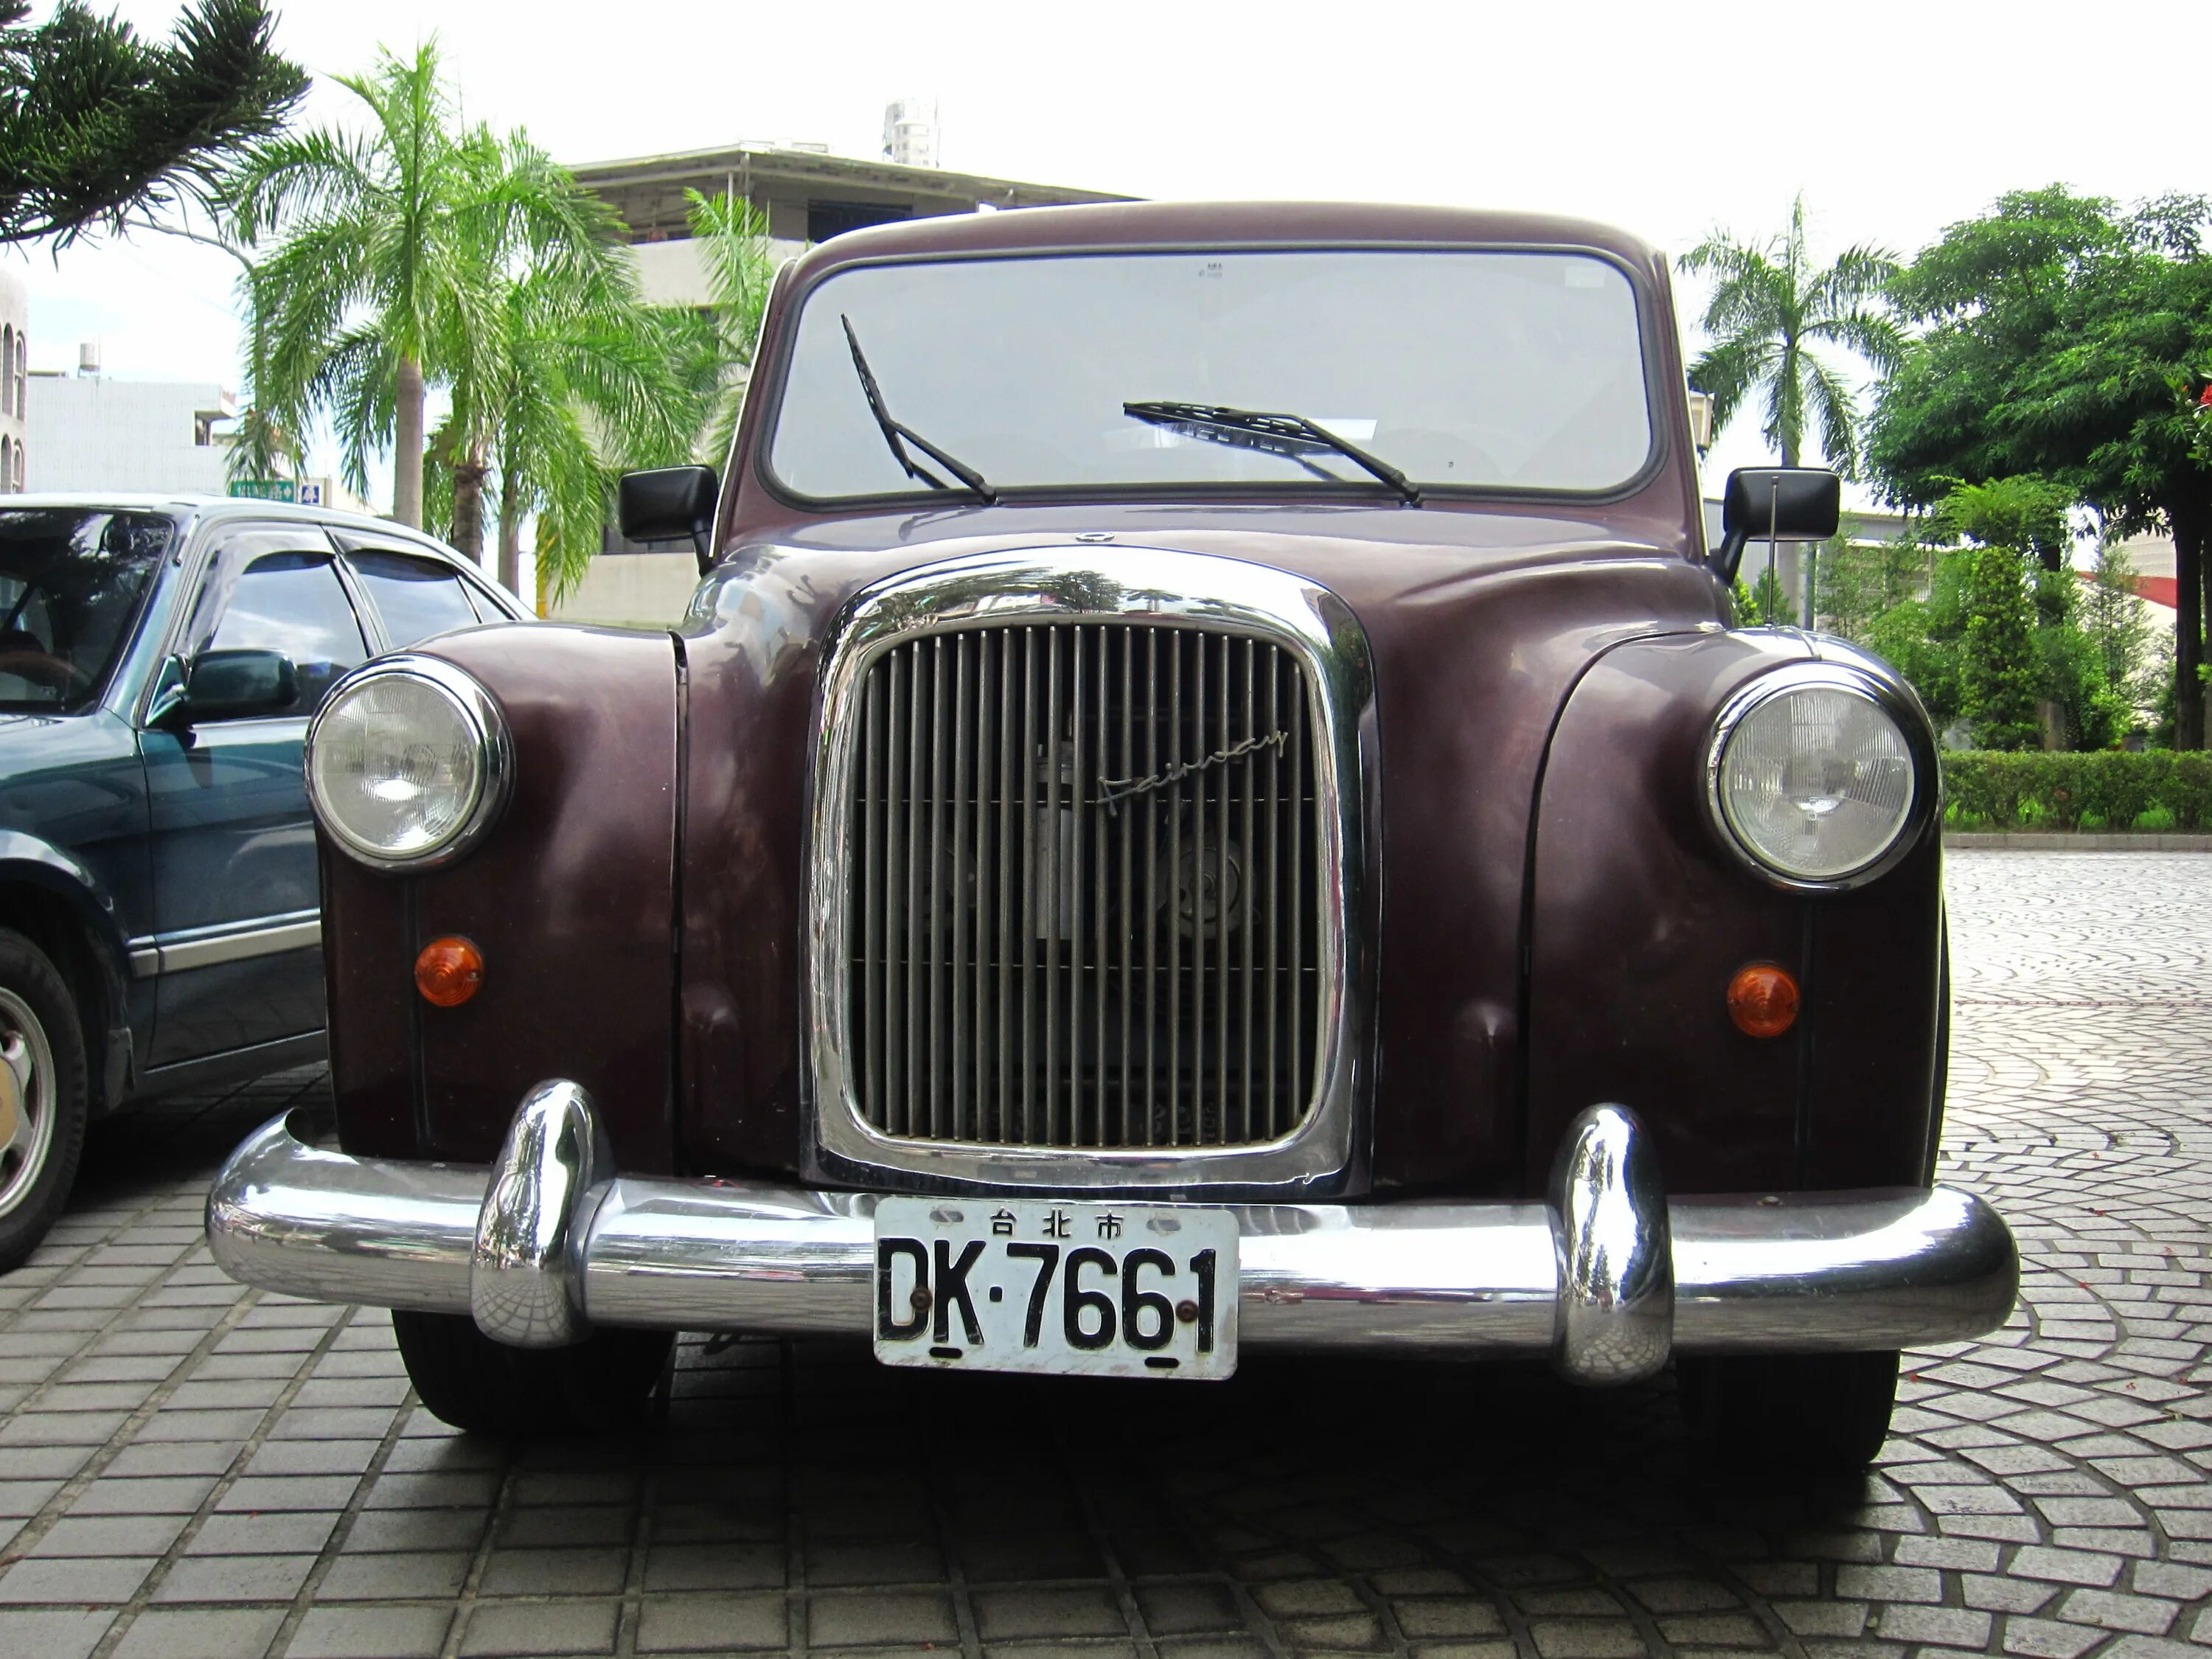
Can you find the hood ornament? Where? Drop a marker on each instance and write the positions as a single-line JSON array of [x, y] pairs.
[[1112, 791]]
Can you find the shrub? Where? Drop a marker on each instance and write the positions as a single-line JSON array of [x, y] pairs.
[[2000, 673], [2033, 789]]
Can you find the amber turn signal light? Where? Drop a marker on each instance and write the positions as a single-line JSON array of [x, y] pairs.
[[1762, 999], [450, 971]]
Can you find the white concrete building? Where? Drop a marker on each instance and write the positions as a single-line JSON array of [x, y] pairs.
[[100, 434], [14, 358], [805, 195], [910, 132], [634, 590]]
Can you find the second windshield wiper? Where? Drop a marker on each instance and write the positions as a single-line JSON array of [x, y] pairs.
[[898, 434], [1284, 430]]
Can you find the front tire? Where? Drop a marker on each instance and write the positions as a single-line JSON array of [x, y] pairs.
[[1788, 1419], [483, 1387], [43, 1097]]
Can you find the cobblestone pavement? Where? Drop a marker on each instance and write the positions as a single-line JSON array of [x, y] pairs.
[[192, 1470]]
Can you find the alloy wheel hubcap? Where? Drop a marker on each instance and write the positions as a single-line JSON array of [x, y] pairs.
[[27, 1118]]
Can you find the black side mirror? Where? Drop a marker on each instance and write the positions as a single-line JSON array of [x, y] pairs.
[[1775, 504], [232, 684], [669, 504]]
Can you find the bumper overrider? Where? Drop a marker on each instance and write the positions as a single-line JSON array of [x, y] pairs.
[[1609, 1278]]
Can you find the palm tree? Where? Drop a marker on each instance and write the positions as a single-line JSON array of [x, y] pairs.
[[731, 235], [590, 382], [567, 335], [1769, 311], [392, 247]]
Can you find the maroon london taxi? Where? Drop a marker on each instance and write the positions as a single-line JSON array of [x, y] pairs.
[[1208, 799]]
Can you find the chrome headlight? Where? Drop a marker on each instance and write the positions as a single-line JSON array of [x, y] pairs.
[[1814, 776], [409, 764]]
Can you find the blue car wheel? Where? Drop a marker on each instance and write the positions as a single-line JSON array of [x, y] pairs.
[[42, 1096]]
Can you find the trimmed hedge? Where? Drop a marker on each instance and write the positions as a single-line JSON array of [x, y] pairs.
[[2111, 790]]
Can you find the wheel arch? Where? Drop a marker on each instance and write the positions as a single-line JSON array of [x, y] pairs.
[[58, 904]]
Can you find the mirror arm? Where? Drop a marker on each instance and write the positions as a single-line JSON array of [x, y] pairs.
[[171, 704]]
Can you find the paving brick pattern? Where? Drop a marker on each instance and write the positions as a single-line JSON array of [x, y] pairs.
[[189, 1469]]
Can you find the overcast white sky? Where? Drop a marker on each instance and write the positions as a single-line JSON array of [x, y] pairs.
[[1895, 118]]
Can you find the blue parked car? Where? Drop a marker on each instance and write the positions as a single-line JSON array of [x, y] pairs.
[[159, 658]]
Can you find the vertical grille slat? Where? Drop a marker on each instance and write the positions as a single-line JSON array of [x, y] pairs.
[[1004, 1006], [1222, 899], [1151, 916], [1081, 910], [1294, 956], [1025, 763], [1275, 870], [1130, 927], [1101, 980], [1053, 901], [1072, 883]]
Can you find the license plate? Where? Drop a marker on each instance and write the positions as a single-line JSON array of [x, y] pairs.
[[1070, 1289]]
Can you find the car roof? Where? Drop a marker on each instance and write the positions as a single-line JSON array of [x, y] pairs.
[[1132, 226], [209, 507]]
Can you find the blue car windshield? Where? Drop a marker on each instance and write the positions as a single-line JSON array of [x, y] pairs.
[[71, 583]]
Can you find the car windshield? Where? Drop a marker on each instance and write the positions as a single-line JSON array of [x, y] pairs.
[[1505, 370], [71, 581]]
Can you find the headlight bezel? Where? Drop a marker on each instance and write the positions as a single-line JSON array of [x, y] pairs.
[[493, 744], [1897, 704]]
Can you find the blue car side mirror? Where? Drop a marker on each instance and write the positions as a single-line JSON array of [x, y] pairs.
[[225, 685]]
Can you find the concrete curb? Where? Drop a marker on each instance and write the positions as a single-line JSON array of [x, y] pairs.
[[2076, 842]]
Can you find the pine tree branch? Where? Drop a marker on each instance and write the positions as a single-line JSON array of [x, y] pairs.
[[97, 127]]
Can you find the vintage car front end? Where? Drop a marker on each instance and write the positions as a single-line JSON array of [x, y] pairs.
[[1103, 929]]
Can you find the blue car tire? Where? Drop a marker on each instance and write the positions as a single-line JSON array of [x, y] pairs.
[[43, 1096]]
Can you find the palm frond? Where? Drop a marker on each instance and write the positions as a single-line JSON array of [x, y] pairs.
[[1838, 410], [1872, 335], [1732, 370]]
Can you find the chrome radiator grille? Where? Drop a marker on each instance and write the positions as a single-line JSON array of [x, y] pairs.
[[1083, 888]]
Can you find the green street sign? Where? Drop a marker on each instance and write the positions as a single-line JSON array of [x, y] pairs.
[[265, 489]]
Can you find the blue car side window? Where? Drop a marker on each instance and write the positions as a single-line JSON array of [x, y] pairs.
[[417, 597], [293, 603]]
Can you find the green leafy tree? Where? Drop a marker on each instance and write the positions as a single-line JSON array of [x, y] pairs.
[[1859, 582], [1921, 637], [391, 250], [99, 127], [2130, 651], [2092, 711], [1775, 320], [2064, 337], [1760, 604], [1999, 664], [2028, 515]]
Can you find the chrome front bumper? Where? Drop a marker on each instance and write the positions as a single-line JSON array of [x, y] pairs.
[[1609, 1278]]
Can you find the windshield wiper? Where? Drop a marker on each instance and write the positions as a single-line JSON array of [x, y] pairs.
[[1276, 429], [895, 431]]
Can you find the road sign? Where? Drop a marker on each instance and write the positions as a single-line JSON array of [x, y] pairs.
[[267, 489]]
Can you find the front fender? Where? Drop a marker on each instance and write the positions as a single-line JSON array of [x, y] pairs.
[[1640, 918], [570, 898]]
